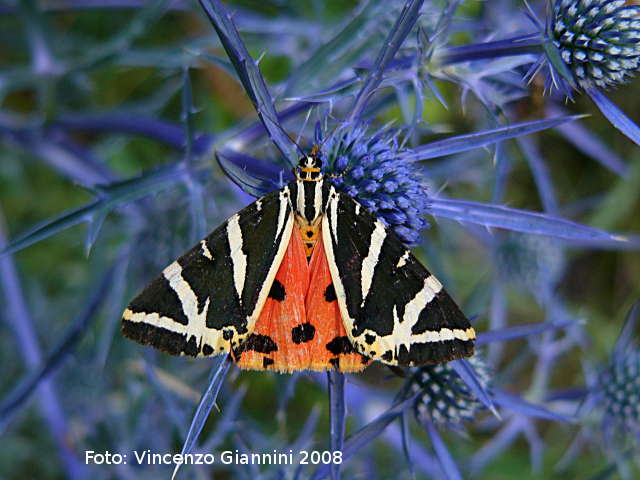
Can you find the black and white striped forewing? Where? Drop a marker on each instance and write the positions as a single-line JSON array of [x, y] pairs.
[[208, 300], [394, 310]]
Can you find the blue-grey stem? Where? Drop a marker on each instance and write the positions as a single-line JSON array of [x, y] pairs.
[[338, 414], [521, 45], [17, 397], [397, 36], [18, 316], [250, 76]]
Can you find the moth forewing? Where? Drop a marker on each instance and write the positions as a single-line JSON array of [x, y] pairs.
[[393, 309], [206, 302]]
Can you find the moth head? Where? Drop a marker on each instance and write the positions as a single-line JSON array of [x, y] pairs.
[[310, 166]]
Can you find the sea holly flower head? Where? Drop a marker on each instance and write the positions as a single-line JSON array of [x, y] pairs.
[[369, 167], [598, 40], [621, 392], [443, 397]]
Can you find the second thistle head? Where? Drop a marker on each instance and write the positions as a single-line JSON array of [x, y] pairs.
[[598, 40]]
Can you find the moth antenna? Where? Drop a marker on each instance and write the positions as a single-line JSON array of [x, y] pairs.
[[324, 140], [281, 128], [304, 124]]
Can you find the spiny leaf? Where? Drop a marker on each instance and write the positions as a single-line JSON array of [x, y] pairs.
[[207, 402], [448, 464], [517, 404], [468, 375], [250, 76], [340, 52], [524, 221], [462, 143], [406, 20], [367, 434], [616, 116], [519, 331], [112, 196]]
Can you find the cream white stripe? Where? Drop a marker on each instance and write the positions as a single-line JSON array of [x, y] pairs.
[[402, 327], [444, 334], [284, 201], [434, 284], [333, 213], [273, 269], [333, 268], [403, 259], [238, 257], [188, 302], [317, 200], [205, 250], [198, 329], [284, 229], [188, 299], [371, 260], [301, 200]]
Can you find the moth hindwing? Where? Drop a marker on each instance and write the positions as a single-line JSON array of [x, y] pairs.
[[393, 309], [208, 300]]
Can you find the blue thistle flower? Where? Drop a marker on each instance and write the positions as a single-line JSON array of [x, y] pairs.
[[370, 168], [621, 392], [586, 45], [616, 387], [443, 397], [598, 40]]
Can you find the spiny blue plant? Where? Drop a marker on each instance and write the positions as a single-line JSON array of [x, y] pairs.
[[370, 78], [586, 45], [598, 40], [617, 389], [442, 395], [609, 408], [621, 392], [369, 166]]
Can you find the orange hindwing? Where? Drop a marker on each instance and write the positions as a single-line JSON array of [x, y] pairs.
[[300, 327]]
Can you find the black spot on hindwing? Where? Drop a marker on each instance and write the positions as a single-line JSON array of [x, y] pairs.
[[277, 291], [303, 333], [207, 349], [340, 345], [266, 362], [330, 293], [191, 347], [257, 343]]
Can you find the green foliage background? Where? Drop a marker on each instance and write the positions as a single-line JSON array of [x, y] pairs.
[[57, 274]]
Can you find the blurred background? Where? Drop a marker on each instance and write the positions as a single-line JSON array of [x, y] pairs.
[[116, 93]]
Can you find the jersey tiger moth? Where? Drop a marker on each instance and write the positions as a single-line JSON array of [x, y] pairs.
[[303, 278]]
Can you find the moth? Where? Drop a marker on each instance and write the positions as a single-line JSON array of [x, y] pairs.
[[305, 278]]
